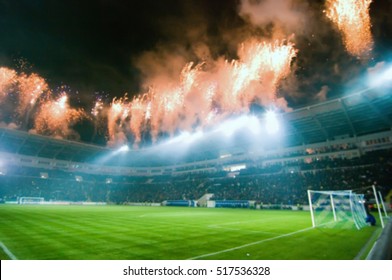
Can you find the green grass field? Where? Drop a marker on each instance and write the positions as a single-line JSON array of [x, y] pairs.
[[128, 232]]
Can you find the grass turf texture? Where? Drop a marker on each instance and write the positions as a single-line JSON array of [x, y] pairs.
[[127, 232]]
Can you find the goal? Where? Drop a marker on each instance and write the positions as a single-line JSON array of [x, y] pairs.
[[30, 200], [332, 208]]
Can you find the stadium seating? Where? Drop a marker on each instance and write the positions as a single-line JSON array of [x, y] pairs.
[[275, 184]]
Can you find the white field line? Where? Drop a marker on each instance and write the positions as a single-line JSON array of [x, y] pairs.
[[250, 244], [362, 251], [242, 230], [223, 226], [264, 220], [8, 252], [371, 251]]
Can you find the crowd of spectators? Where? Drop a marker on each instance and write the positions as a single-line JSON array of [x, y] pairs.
[[275, 184]]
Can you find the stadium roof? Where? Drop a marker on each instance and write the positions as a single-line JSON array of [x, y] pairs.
[[351, 116], [23, 143]]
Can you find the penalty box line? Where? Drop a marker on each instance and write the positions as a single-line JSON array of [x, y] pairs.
[[7, 252], [250, 244]]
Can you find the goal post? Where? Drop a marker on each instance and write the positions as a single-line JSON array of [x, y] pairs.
[[31, 200], [330, 207]]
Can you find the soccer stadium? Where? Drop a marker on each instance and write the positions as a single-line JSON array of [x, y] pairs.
[[226, 193], [196, 130]]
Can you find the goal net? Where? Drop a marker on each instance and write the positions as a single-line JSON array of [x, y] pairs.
[[333, 208], [30, 200]]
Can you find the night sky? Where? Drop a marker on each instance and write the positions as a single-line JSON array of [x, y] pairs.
[[112, 47], [96, 46]]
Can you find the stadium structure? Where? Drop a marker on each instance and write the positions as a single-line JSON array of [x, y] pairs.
[[269, 162], [317, 137]]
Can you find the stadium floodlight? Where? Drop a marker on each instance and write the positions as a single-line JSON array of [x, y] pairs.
[[253, 125], [231, 126], [383, 78], [113, 153], [123, 148], [228, 127], [181, 138], [271, 122], [184, 138]]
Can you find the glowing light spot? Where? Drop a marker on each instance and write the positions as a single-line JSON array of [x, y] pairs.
[[229, 127], [271, 122], [123, 148], [381, 78]]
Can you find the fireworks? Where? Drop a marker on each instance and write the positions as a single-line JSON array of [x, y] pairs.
[[7, 79], [352, 18], [118, 112], [200, 97], [98, 107], [55, 117], [138, 109], [255, 76], [30, 89], [184, 96], [196, 99], [49, 117]]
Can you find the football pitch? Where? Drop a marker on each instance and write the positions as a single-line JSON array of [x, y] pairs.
[[48, 232]]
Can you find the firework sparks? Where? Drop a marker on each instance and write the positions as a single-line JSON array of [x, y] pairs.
[[275, 65], [118, 112], [138, 108], [7, 79], [97, 109], [352, 18], [199, 97], [30, 89], [55, 117], [199, 89], [257, 74], [166, 103], [98, 114], [189, 75]]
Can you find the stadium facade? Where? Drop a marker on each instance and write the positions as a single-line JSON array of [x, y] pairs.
[[347, 127]]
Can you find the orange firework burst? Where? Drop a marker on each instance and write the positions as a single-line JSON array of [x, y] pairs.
[[260, 68], [199, 89], [166, 106], [98, 107], [118, 112], [268, 59], [352, 18], [189, 75], [30, 89], [200, 97], [138, 107], [7, 79], [233, 79], [55, 117]]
